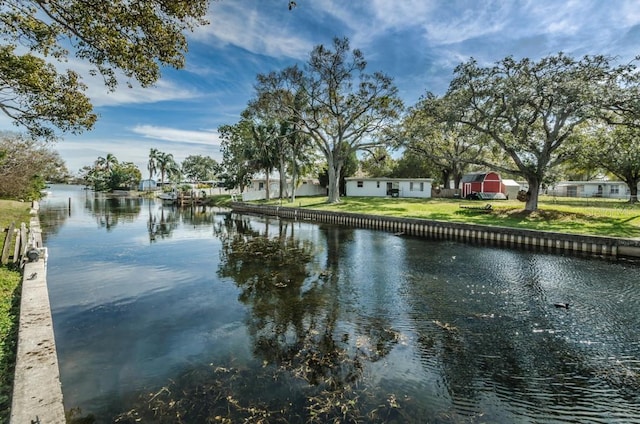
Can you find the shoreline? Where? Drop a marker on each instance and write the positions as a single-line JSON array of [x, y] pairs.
[[608, 247], [37, 389]]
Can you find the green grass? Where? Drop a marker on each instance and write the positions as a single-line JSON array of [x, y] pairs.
[[17, 212], [602, 217]]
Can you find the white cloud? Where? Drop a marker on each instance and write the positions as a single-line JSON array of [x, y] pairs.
[[163, 90], [401, 13], [237, 23], [97, 91], [80, 151], [209, 137]]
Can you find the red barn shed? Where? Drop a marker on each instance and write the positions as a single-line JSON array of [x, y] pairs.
[[488, 183]]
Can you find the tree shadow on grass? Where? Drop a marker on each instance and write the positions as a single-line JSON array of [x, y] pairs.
[[566, 222]]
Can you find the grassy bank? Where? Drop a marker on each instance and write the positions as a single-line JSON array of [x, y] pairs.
[[602, 217], [17, 212]]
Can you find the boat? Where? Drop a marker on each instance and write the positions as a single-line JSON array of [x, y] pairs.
[[170, 196]]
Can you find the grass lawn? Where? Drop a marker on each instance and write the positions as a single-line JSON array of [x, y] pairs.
[[602, 217], [17, 212]]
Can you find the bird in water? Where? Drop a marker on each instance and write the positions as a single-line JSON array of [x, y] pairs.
[[561, 305]]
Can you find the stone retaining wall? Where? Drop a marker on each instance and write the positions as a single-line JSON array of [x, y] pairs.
[[37, 391], [610, 247]]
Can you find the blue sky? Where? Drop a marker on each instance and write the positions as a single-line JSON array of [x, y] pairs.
[[417, 42]]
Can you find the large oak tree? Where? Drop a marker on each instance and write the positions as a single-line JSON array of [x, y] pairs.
[[616, 149], [449, 147], [344, 108], [530, 110]]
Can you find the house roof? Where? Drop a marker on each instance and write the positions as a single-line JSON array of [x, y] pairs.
[[476, 177], [592, 182], [388, 179]]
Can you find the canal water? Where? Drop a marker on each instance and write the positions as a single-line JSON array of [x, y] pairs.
[[196, 315]]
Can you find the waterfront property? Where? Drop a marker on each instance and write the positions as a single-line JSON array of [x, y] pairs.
[[595, 188], [389, 187], [502, 236], [257, 190], [236, 317], [147, 185]]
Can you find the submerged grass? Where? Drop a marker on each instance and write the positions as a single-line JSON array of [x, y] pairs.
[[601, 217], [18, 212]]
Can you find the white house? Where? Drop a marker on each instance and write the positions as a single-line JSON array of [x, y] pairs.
[[394, 187], [148, 185], [608, 189], [257, 190]]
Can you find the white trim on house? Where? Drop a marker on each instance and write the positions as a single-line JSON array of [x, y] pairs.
[[389, 187]]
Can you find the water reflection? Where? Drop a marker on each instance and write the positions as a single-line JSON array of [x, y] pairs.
[[206, 315], [163, 224], [109, 211]]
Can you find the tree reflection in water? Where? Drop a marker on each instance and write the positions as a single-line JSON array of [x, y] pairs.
[[312, 364], [109, 211], [161, 227]]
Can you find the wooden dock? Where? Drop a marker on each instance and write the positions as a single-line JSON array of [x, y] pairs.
[[189, 199]]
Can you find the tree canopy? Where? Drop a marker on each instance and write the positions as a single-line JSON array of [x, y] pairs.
[[132, 37], [449, 147], [332, 100], [200, 168], [107, 174], [529, 109], [615, 149], [25, 165]]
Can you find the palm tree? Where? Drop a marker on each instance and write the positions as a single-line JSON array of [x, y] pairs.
[[165, 163], [152, 165], [107, 163]]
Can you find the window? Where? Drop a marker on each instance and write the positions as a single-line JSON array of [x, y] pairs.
[[260, 186], [615, 189], [360, 184], [377, 184], [416, 186]]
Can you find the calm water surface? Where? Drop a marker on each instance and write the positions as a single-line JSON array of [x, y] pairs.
[[162, 313]]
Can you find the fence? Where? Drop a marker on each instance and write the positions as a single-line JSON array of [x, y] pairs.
[[15, 244]]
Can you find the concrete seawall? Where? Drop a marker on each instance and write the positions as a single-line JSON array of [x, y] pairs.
[[37, 391], [610, 247]]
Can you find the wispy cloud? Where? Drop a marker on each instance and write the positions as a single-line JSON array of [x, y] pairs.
[[128, 91], [209, 137], [243, 24], [135, 148], [163, 90]]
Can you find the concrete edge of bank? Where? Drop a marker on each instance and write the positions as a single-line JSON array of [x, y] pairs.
[[610, 247], [37, 390]]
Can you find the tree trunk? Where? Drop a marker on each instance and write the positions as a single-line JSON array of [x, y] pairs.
[[283, 179], [633, 191], [457, 179], [334, 182], [294, 182], [445, 178], [267, 184], [532, 194]]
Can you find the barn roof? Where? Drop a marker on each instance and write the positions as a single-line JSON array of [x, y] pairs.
[[474, 177]]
